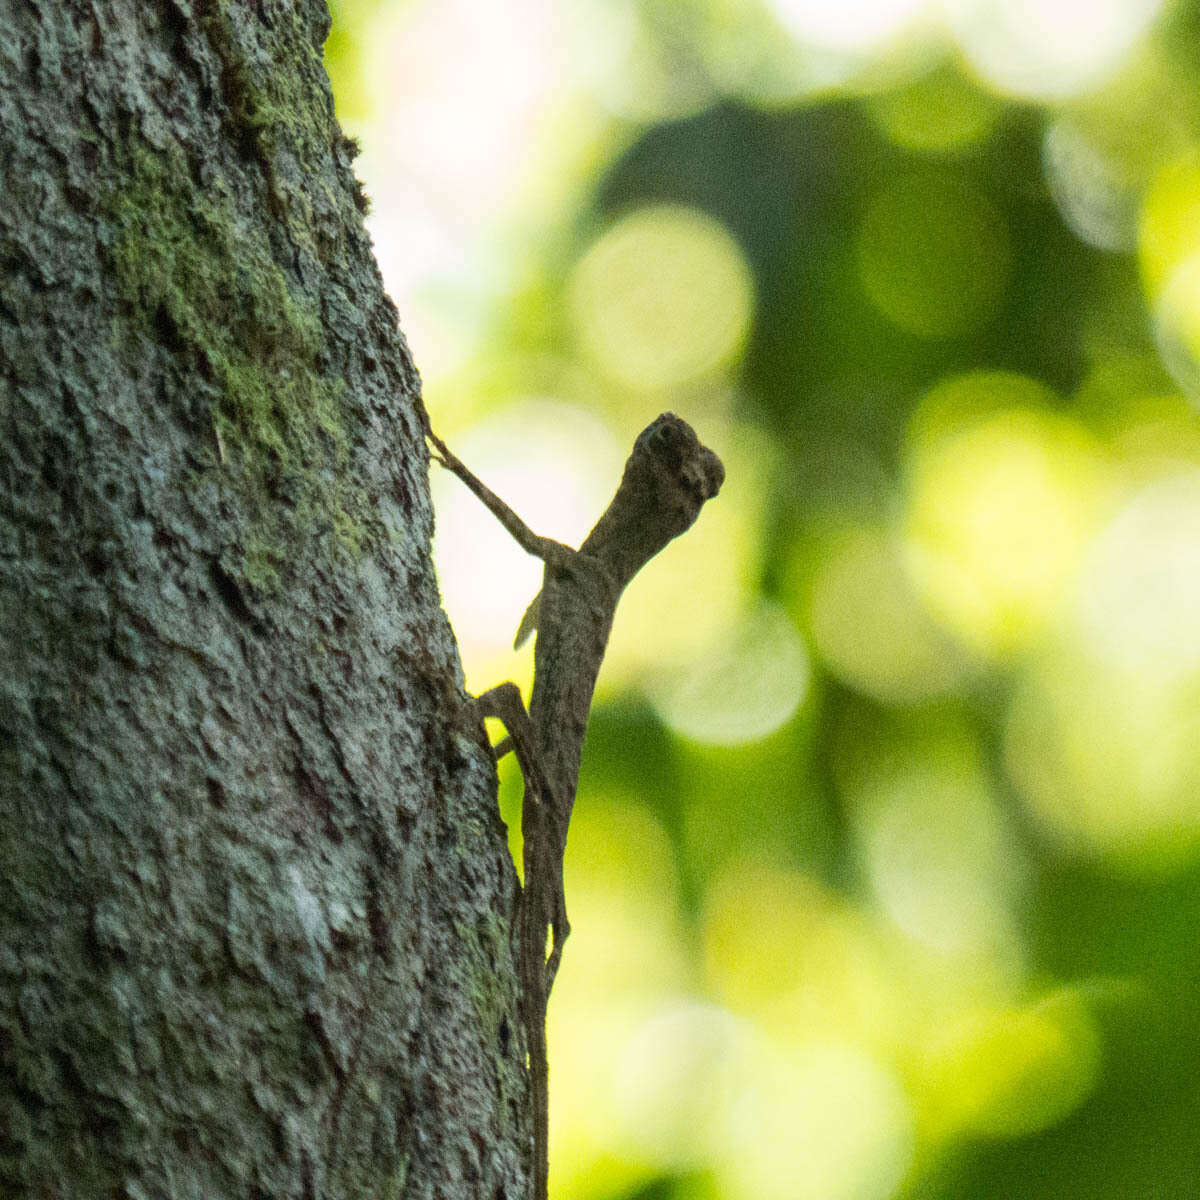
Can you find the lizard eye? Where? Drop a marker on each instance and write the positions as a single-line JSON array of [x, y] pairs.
[[668, 440], [664, 437], [674, 447]]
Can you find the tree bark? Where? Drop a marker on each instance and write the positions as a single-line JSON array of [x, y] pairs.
[[255, 896]]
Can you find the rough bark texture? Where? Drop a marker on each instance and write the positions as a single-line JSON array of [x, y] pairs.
[[255, 899]]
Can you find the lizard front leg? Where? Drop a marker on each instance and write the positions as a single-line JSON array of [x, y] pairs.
[[547, 549]]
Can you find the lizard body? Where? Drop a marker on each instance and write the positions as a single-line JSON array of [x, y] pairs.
[[668, 478]]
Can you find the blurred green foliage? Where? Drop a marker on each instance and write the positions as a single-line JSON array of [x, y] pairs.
[[885, 873]]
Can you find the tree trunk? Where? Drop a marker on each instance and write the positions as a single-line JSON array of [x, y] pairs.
[[255, 895]]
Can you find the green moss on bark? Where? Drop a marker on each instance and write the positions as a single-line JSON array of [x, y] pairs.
[[201, 280]]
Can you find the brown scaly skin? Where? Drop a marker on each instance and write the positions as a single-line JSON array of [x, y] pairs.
[[668, 478]]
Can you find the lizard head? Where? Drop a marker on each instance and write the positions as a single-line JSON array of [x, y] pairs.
[[682, 472], [668, 478]]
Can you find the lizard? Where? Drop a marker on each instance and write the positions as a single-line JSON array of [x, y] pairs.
[[667, 480]]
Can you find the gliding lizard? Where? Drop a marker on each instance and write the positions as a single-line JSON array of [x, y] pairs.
[[667, 479]]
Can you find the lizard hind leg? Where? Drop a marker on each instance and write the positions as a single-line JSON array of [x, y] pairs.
[[504, 702], [541, 868], [560, 929], [538, 912]]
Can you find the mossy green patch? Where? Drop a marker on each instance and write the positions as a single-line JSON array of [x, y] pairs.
[[489, 995], [200, 277], [275, 106], [394, 1185]]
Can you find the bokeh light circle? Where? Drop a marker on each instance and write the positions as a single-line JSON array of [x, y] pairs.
[[1000, 511], [1169, 233], [1103, 735], [1048, 49], [1169, 245], [676, 1079], [745, 687], [1138, 597], [933, 254], [1177, 327], [1108, 760], [935, 842], [822, 1122], [663, 298], [850, 26], [1097, 197], [942, 110], [872, 629], [1010, 1072]]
